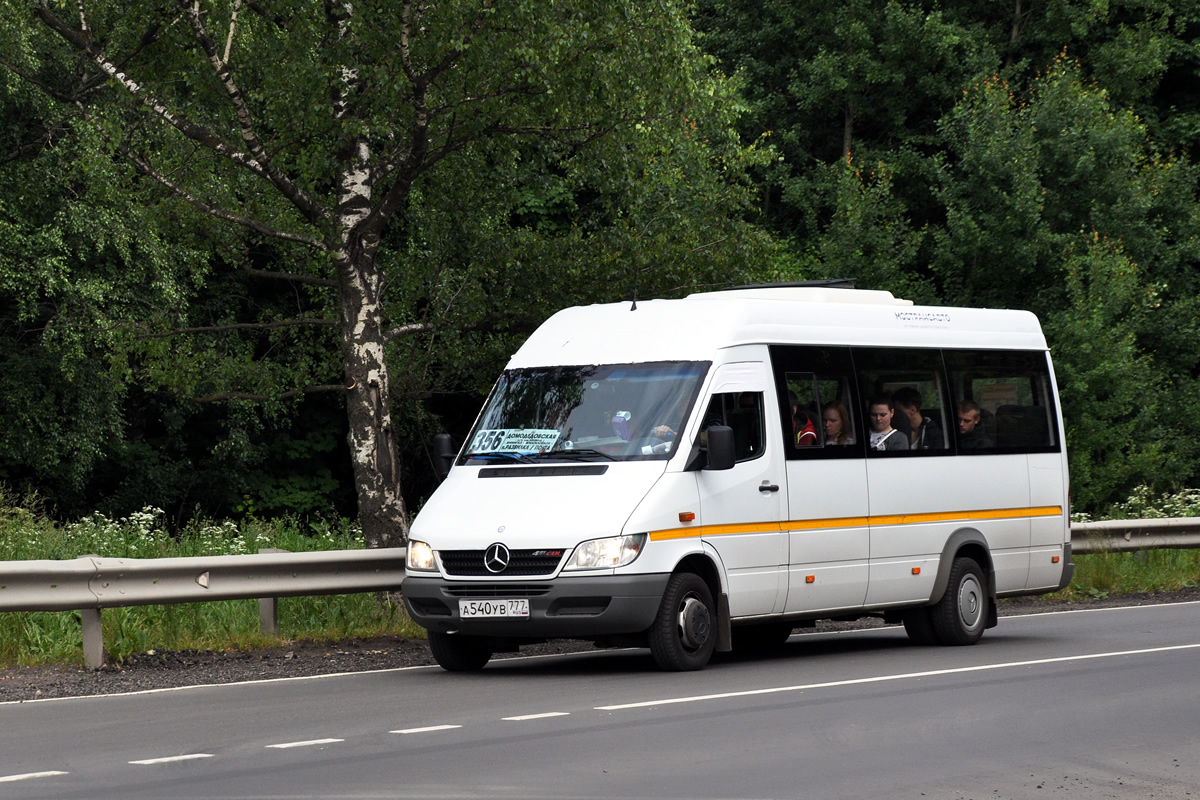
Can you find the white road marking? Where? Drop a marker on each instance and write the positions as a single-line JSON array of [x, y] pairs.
[[309, 743], [170, 759], [538, 716], [30, 775], [1086, 610], [899, 677], [429, 729]]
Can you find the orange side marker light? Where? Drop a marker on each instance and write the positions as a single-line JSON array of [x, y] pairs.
[[916, 570], [810, 578], [1054, 559], [687, 516]]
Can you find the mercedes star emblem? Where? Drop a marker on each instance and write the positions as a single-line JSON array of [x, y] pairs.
[[496, 557]]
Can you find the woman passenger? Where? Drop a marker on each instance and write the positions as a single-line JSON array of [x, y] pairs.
[[837, 425]]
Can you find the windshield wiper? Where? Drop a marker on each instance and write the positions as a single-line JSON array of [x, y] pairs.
[[521, 457], [577, 454]]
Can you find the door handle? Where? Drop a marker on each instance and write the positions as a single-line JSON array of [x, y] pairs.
[[767, 486]]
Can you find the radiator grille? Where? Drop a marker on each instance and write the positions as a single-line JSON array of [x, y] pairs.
[[521, 562]]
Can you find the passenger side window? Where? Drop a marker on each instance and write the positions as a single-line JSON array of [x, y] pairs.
[[911, 382], [816, 400], [1004, 401], [818, 417], [742, 411]]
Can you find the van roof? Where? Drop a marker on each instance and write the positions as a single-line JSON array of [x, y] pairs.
[[698, 326]]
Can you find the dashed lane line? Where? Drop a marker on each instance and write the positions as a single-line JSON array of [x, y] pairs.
[[169, 759], [537, 716], [308, 743], [30, 776], [428, 729]]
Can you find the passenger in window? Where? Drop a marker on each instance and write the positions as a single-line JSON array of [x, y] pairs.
[[803, 429], [837, 424], [883, 435], [971, 436], [925, 434]]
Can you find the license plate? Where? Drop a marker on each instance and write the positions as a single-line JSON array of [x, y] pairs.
[[510, 607]]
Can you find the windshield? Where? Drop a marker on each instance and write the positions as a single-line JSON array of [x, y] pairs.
[[607, 412]]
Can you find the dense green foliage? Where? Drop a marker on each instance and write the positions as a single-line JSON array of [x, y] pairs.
[[1025, 153]]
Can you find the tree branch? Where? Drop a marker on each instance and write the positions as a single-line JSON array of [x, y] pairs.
[[30, 79], [311, 210], [237, 6], [182, 124], [246, 222], [401, 330]]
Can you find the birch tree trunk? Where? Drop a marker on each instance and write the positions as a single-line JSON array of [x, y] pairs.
[[381, 510], [368, 408]]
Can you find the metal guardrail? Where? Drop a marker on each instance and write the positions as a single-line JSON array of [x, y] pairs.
[[90, 583], [1124, 535]]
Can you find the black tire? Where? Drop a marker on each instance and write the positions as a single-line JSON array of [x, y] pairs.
[[961, 615], [918, 624], [761, 638], [458, 653], [684, 633]]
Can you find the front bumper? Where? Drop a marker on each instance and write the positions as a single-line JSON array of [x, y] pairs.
[[565, 608]]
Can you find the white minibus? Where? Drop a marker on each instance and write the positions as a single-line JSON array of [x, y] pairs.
[[711, 473]]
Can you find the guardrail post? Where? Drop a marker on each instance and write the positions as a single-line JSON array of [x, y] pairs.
[[268, 607], [268, 615], [93, 638]]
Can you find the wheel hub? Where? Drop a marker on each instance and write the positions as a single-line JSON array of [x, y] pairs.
[[970, 602], [695, 624]]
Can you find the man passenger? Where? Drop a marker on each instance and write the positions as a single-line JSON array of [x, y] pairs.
[[971, 435], [925, 435]]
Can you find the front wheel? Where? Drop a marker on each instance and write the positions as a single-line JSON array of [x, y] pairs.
[[458, 653], [961, 615], [683, 635]]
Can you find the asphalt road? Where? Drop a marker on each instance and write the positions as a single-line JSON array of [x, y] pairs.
[[1084, 704]]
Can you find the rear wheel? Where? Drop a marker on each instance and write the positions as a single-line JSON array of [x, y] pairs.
[[683, 634], [458, 653], [961, 615]]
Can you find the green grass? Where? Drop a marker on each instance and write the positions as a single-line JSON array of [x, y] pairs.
[[29, 638], [1102, 574]]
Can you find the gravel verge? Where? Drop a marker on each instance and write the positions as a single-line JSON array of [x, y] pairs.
[[172, 669]]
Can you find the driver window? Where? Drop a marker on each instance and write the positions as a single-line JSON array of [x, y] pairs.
[[742, 411]]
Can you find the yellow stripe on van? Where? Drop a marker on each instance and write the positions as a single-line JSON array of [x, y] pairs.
[[855, 522]]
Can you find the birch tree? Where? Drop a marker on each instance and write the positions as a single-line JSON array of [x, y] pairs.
[[311, 124]]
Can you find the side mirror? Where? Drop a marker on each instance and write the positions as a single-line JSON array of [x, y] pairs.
[[721, 454], [443, 455]]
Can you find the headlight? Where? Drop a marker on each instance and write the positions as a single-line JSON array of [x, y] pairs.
[[420, 556], [616, 551]]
